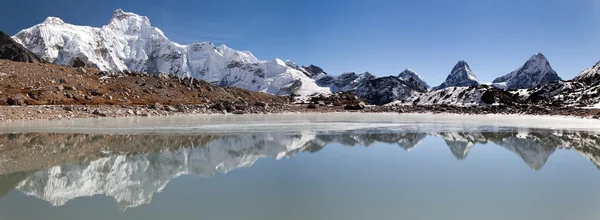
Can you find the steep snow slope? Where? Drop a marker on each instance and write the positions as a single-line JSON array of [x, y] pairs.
[[535, 72], [129, 42], [461, 75]]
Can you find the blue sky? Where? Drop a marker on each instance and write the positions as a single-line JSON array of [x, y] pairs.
[[383, 37]]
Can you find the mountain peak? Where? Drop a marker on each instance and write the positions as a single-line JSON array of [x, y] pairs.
[[53, 20], [535, 72], [538, 56], [461, 65], [409, 71], [460, 76], [119, 14], [413, 78]]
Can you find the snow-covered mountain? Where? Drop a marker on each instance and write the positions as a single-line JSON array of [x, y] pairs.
[[460, 76], [535, 72], [345, 82], [412, 77], [372, 89], [129, 42], [384, 90]]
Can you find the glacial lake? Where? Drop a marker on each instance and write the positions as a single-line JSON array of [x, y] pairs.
[[301, 166]]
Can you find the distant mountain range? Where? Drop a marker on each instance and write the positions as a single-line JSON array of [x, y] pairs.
[[129, 43]]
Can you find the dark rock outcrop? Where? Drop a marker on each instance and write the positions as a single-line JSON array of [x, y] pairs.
[[12, 50]]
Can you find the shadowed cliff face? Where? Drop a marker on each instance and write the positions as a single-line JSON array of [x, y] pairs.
[[132, 168], [11, 50]]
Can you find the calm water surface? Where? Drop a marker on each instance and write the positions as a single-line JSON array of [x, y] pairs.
[[300, 169]]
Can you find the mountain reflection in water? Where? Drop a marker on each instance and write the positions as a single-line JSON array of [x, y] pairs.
[[132, 168]]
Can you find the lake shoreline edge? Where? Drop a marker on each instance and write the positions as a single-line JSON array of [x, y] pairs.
[[66, 112]]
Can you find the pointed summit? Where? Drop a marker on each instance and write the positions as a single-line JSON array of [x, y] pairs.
[[413, 78], [460, 76], [535, 72]]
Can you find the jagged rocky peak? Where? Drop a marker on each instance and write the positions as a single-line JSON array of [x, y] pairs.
[[413, 78], [590, 76], [460, 76], [12, 50], [535, 72]]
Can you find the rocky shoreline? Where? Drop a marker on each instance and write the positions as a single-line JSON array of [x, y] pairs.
[[63, 112]]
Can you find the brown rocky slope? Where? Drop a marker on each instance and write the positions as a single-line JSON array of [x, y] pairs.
[[48, 84]]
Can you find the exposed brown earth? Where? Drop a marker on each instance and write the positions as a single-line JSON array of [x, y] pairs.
[[49, 84]]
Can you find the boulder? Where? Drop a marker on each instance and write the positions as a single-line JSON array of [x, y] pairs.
[[359, 106]]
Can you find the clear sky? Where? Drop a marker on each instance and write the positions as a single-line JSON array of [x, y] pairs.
[[383, 37]]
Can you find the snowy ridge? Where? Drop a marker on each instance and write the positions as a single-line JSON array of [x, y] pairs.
[[535, 72], [460, 76], [129, 42]]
